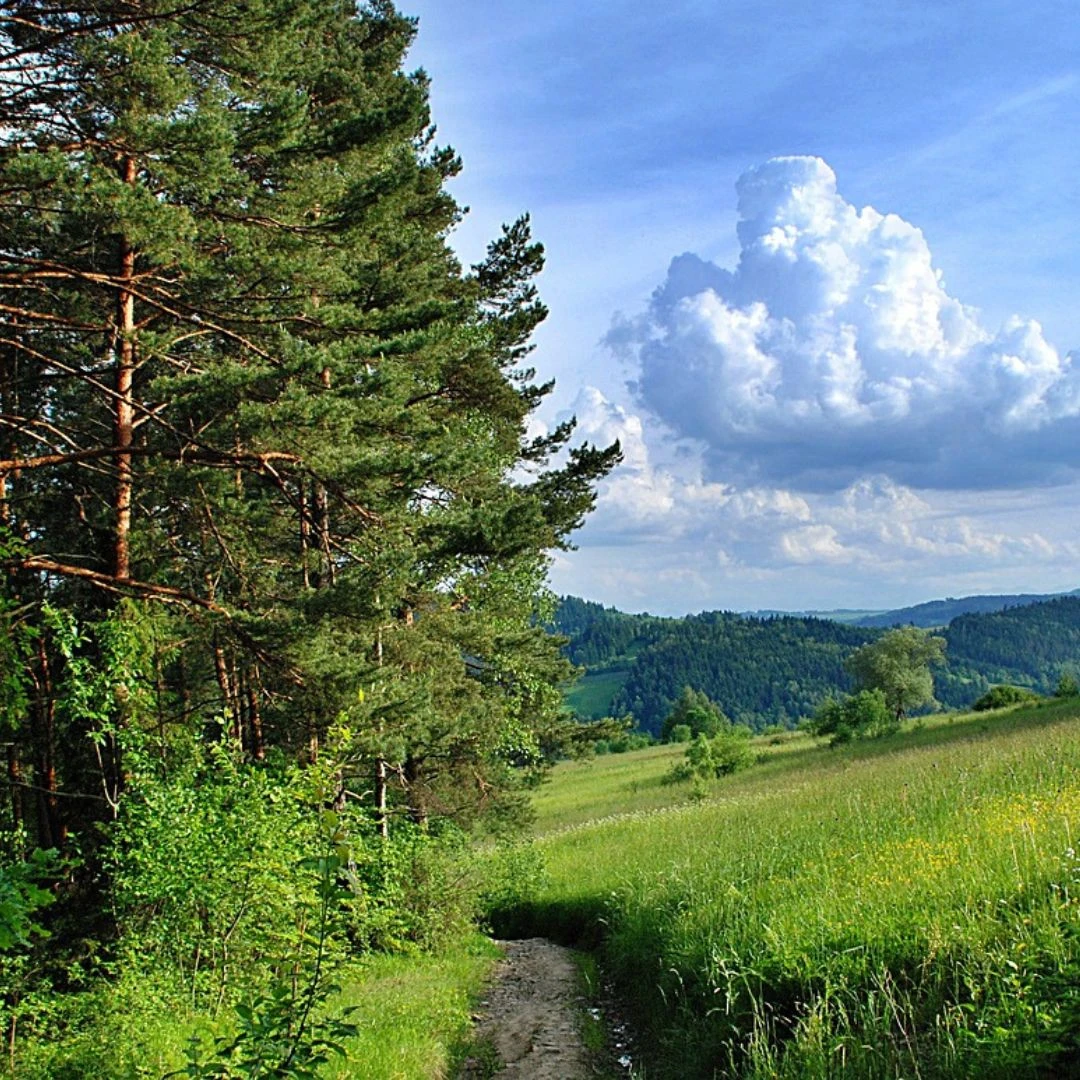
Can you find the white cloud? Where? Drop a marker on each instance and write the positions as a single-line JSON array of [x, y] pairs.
[[874, 525], [814, 543], [833, 349]]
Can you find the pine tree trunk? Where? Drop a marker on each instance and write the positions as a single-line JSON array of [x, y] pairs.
[[239, 702], [323, 510], [305, 534], [382, 820], [51, 827], [124, 409], [15, 782], [225, 685], [418, 810], [258, 745], [9, 406]]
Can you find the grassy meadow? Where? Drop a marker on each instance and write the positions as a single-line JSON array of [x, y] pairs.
[[908, 907], [591, 695], [413, 1016]]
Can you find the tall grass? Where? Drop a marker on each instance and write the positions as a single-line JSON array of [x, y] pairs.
[[414, 1012], [909, 908]]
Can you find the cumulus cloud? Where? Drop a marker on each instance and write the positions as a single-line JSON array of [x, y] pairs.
[[833, 350], [665, 538], [874, 521]]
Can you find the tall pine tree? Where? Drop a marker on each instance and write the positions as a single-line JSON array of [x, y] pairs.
[[245, 383]]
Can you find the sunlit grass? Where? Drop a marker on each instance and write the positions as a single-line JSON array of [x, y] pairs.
[[917, 895], [413, 1012], [592, 694]]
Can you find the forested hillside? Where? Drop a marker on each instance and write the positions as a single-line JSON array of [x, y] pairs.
[[600, 637], [776, 670], [1034, 646], [760, 671]]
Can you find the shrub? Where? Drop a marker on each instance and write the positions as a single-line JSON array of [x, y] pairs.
[[680, 733], [634, 740], [865, 715], [706, 758], [1000, 696], [1067, 686]]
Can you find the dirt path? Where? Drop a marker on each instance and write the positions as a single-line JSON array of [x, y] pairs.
[[532, 1016]]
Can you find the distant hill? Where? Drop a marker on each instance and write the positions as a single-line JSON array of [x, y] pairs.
[[844, 615], [1031, 645], [927, 615], [760, 671], [942, 612], [778, 668]]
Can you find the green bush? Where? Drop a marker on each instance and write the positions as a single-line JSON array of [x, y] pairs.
[[707, 758], [865, 715], [680, 733], [632, 740], [1000, 696], [1067, 686]]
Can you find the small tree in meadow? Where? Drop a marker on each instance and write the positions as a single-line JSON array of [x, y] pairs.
[[864, 715], [693, 710], [707, 757], [898, 664]]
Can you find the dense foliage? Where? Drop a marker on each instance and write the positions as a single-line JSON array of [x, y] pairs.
[[865, 715], [899, 665], [273, 535], [758, 671], [1032, 646], [694, 713], [1000, 697]]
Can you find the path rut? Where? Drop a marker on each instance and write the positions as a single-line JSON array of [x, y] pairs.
[[532, 1015]]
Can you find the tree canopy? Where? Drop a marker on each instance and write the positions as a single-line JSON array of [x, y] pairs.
[[898, 664], [251, 404]]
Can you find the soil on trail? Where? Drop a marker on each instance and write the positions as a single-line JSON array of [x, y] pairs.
[[532, 1015]]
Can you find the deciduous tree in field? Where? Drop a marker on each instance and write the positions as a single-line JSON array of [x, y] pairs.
[[898, 664]]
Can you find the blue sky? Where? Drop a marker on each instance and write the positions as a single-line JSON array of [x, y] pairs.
[[827, 406]]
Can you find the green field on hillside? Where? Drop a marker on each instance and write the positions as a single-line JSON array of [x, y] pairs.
[[908, 907], [591, 696]]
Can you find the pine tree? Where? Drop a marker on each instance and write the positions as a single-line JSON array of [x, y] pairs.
[[243, 376]]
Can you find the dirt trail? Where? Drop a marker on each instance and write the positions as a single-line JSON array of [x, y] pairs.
[[532, 1015]]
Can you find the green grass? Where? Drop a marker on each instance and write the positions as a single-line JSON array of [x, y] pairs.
[[597, 787], [903, 908], [414, 1012], [592, 695]]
